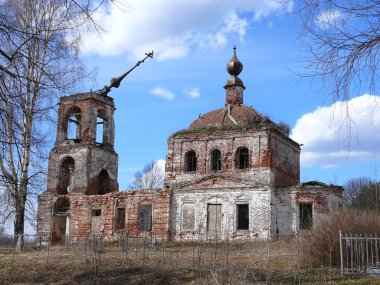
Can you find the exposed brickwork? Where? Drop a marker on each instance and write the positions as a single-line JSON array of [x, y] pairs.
[[232, 174], [80, 213], [273, 159], [89, 158], [267, 185]]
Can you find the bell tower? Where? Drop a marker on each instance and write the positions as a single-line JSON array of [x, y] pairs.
[[83, 159]]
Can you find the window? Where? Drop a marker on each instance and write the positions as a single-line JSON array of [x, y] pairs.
[[306, 216], [144, 220], [242, 158], [216, 162], [96, 212], [242, 217], [120, 223], [188, 217], [99, 130], [66, 176], [73, 125], [191, 161]]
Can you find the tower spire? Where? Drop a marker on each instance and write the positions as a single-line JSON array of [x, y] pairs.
[[234, 86]]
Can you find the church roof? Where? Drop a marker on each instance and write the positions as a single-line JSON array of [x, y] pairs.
[[235, 115], [230, 116]]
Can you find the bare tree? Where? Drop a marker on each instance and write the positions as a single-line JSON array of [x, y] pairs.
[[38, 62], [353, 188], [150, 177], [343, 38]]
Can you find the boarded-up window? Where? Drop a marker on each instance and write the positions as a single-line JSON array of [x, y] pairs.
[[188, 217], [242, 218], [120, 223], [306, 216], [214, 219], [144, 222]]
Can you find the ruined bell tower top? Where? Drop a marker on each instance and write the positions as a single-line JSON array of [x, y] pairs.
[[234, 86]]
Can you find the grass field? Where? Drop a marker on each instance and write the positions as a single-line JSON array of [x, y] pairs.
[[275, 262]]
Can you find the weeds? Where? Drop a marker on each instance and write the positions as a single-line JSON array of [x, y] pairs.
[[320, 246], [185, 263]]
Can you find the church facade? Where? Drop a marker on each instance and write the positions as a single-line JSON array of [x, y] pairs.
[[232, 174]]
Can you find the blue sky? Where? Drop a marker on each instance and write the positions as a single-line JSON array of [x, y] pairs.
[[193, 41]]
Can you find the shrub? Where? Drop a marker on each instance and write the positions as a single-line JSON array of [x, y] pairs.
[[320, 246]]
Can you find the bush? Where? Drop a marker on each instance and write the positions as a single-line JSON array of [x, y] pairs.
[[320, 246]]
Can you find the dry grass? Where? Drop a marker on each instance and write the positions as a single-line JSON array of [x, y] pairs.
[[320, 246], [234, 263]]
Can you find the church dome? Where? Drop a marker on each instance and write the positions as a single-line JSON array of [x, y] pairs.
[[235, 113], [240, 115], [234, 66]]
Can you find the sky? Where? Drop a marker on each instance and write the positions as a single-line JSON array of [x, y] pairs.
[[192, 43]]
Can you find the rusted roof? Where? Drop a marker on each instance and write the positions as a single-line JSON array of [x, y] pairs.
[[241, 114]]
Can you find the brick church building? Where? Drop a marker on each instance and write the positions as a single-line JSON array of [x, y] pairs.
[[232, 174]]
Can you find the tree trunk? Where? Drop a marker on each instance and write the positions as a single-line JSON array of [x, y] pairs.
[[19, 220]]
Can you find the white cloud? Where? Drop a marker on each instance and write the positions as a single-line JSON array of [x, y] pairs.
[[331, 139], [329, 18], [192, 92], [163, 93], [171, 28]]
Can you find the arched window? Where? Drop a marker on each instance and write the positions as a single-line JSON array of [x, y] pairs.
[[104, 184], [190, 161], [216, 160], [73, 127], [66, 172], [242, 158], [62, 206], [101, 128]]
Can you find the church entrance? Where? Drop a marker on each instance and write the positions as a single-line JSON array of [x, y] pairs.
[[61, 225], [214, 220]]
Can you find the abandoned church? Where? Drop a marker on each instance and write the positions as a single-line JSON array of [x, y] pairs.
[[232, 174]]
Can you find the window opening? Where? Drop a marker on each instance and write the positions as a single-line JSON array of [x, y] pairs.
[[66, 176], [120, 224], [144, 222], [96, 212], [62, 206], [306, 216], [242, 155], [73, 125], [191, 161], [103, 180], [99, 130], [242, 217], [216, 161]]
